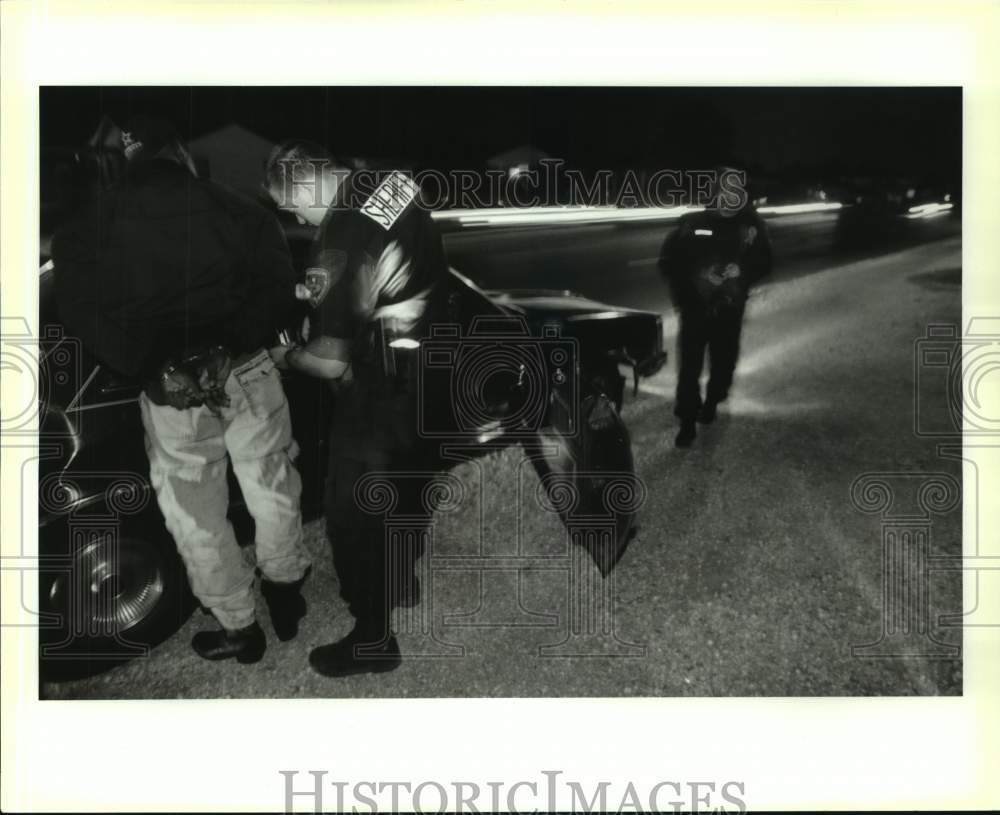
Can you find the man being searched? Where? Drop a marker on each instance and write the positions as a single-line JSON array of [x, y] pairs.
[[374, 283], [711, 260], [182, 284]]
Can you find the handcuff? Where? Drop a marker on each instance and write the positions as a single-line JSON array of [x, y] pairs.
[[184, 387]]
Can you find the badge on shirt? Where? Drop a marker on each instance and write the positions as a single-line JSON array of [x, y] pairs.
[[390, 199], [749, 235]]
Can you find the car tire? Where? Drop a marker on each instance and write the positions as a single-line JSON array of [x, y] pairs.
[[106, 597]]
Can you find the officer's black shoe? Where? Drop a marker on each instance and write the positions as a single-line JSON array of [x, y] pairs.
[[287, 606], [246, 644], [707, 413], [357, 653], [687, 434]]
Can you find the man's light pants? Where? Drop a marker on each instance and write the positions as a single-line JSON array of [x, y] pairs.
[[188, 456]]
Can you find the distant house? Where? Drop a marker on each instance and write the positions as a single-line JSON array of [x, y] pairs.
[[232, 155]]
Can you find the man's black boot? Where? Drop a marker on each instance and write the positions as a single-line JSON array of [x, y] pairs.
[[246, 644], [708, 412], [687, 434], [362, 651], [287, 606]]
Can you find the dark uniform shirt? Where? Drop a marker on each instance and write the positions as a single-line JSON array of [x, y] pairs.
[[378, 275], [377, 270], [710, 256], [165, 262]]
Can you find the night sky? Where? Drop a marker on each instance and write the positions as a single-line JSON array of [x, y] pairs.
[[880, 131]]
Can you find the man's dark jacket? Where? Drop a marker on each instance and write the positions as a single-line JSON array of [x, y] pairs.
[[706, 242], [165, 262]]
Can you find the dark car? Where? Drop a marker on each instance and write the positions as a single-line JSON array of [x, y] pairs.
[[111, 583]]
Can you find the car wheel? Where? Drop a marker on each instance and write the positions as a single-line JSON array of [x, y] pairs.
[[110, 599]]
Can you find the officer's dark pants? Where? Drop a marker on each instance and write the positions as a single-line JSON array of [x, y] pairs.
[[717, 329], [375, 509]]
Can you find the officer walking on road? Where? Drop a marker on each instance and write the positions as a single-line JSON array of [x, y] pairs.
[[711, 261], [182, 284], [374, 284]]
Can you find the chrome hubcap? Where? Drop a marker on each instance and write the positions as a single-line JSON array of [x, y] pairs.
[[111, 585]]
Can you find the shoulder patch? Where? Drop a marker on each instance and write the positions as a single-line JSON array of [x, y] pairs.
[[317, 285], [320, 279], [391, 199]]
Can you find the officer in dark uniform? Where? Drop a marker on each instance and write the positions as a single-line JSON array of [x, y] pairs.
[[711, 260], [374, 283]]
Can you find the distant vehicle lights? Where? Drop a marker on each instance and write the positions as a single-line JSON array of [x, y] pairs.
[[929, 210], [531, 216]]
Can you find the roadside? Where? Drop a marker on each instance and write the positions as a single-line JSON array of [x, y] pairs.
[[752, 572]]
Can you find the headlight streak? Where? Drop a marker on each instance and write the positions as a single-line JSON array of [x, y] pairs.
[[928, 210], [532, 216]]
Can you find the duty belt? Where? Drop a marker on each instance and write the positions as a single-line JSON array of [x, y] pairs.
[[393, 322]]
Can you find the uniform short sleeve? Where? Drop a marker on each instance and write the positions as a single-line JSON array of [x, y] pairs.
[[340, 278]]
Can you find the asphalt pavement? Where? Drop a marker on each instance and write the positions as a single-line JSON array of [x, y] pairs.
[[753, 572]]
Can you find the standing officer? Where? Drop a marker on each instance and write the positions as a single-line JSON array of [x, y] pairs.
[[377, 274], [182, 283], [711, 260]]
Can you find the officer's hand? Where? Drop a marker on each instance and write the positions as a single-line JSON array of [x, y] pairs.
[[278, 354]]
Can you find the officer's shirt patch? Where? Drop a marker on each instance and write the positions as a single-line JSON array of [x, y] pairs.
[[318, 283], [391, 199], [320, 279], [749, 235]]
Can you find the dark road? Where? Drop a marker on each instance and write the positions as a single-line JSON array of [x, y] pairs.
[[617, 262]]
